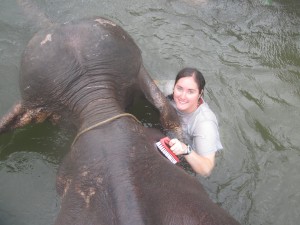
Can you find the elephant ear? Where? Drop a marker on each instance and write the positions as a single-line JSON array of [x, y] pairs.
[[20, 116]]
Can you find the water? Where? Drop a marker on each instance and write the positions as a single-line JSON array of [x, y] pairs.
[[249, 52]]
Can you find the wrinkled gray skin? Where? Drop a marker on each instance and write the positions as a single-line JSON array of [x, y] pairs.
[[89, 71]]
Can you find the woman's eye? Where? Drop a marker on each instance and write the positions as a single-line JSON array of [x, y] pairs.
[[179, 88]]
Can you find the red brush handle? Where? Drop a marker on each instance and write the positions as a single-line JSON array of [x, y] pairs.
[[165, 142]]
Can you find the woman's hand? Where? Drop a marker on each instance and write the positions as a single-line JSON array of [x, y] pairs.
[[202, 165], [177, 147]]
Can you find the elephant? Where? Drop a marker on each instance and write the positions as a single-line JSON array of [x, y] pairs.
[[89, 72]]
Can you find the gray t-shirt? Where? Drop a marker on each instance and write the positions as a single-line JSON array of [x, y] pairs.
[[201, 129]]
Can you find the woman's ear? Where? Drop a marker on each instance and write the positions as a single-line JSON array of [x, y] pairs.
[[201, 92]]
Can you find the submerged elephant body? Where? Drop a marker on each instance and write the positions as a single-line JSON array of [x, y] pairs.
[[90, 71]]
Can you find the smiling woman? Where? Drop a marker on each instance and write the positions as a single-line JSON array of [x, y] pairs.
[[199, 123]]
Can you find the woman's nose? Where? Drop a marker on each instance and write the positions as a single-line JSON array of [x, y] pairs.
[[183, 94]]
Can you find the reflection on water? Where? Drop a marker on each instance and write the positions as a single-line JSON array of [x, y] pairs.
[[249, 52]]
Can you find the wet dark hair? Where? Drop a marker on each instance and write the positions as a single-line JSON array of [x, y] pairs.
[[190, 72]]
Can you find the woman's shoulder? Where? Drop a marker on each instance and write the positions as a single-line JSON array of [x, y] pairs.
[[204, 113], [204, 119]]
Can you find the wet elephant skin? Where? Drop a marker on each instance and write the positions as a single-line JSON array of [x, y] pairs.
[[87, 72]]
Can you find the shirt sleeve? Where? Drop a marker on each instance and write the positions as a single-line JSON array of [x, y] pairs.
[[206, 138]]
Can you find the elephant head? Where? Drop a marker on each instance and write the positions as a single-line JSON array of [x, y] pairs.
[[89, 70]]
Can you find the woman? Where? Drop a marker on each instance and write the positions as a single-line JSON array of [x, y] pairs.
[[199, 123]]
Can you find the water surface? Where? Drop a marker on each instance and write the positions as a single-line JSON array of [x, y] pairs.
[[249, 53]]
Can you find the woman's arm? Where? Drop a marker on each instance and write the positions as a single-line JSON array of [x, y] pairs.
[[202, 165]]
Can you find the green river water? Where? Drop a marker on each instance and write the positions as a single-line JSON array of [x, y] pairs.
[[249, 53]]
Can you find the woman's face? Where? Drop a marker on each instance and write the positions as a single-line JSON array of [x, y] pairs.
[[186, 94]]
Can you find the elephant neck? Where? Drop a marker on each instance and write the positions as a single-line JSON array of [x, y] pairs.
[[97, 112]]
